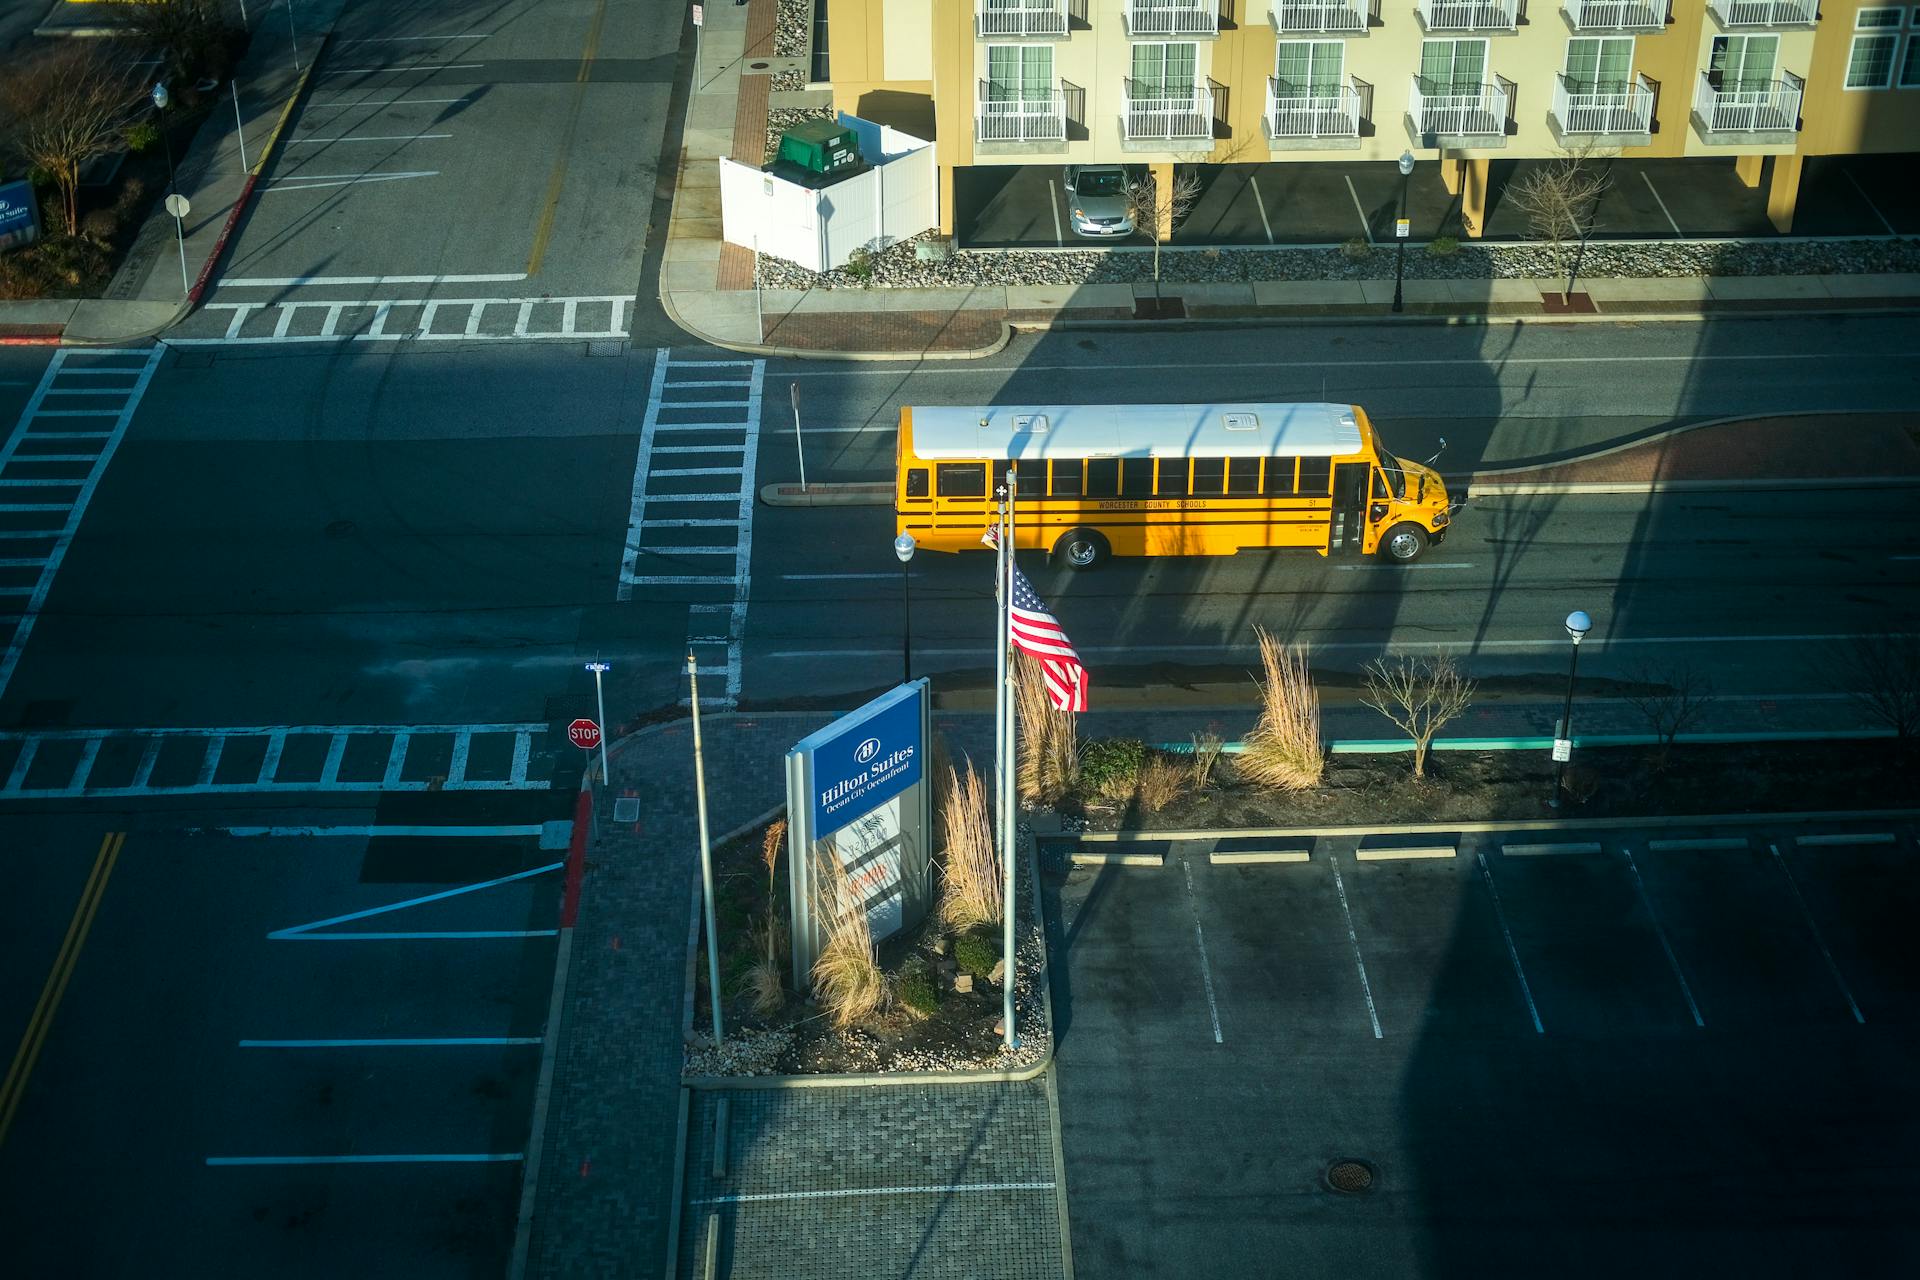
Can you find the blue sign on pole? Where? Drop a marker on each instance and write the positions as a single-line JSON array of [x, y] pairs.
[[864, 760], [19, 215]]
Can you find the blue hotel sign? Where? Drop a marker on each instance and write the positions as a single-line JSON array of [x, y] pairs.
[[863, 760], [19, 215]]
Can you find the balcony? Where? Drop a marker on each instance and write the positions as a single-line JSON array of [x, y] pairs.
[[1163, 113], [1318, 17], [1456, 117], [1615, 15], [1765, 112], [1751, 15], [1312, 122], [1610, 115], [1020, 20], [1173, 18], [1468, 15], [1010, 125]]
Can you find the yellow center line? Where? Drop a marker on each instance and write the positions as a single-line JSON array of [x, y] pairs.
[[543, 230], [63, 966]]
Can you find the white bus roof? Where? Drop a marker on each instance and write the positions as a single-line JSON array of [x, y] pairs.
[[1028, 432]]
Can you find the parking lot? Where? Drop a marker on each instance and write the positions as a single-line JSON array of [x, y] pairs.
[[1602, 1048], [299, 1048], [1329, 203]]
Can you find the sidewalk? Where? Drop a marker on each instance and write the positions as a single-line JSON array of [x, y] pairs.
[[147, 296], [706, 285]]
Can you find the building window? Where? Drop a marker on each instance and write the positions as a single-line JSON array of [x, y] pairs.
[[1309, 68], [1870, 62], [1910, 65], [1019, 72], [1876, 19], [1164, 70], [1452, 66], [1602, 65], [1741, 62]]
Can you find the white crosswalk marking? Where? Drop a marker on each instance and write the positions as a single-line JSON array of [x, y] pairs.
[[254, 323], [49, 467], [709, 412], [70, 763]]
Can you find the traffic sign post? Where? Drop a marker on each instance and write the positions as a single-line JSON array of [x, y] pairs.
[[599, 698], [179, 207]]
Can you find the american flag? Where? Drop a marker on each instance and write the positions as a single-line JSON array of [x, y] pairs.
[[1034, 631]]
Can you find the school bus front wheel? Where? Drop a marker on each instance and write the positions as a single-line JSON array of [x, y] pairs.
[[1404, 543]]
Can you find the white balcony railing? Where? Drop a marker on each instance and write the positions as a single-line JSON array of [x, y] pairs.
[[1475, 111], [1291, 115], [999, 19], [1616, 15], [1769, 106], [1164, 113], [1317, 17], [1468, 15], [1624, 108], [1765, 13], [1173, 17], [1029, 119]]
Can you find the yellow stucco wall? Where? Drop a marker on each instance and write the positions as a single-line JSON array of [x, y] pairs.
[[1841, 120]]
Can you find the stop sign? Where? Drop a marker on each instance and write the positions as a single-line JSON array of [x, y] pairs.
[[584, 734]]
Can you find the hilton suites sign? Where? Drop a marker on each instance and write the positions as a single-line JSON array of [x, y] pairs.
[[858, 825]]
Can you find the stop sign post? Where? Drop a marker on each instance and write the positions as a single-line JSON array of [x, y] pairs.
[[584, 734], [600, 700]]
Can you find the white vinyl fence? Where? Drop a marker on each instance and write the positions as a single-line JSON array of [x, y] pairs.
[[896, 199]]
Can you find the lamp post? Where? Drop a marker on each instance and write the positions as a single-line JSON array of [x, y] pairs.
[[903, 546], [160, 99], [1399, 230], [1578, 624]]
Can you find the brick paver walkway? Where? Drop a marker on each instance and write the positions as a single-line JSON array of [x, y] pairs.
[[898, 332], [1804, 447]]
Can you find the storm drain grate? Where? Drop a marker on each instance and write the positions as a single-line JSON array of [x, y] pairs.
[[1350, 1177], [607, 347]]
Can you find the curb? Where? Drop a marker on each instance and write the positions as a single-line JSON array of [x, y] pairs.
[[844, 493], [1894, 307], [809, 353], [1531, 824]]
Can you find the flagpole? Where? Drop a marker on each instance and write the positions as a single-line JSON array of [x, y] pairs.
[[1009, 904], [1002, 766]]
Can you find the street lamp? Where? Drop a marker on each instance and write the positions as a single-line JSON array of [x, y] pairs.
[[1400, 229], [1578, 624], [160, 100], [903, 546]]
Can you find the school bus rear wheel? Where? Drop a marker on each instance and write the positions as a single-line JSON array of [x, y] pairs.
[[1404, 543], [1082, 549]]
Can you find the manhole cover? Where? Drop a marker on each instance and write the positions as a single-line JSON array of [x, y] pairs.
[[1350, 1177], [757, 66]]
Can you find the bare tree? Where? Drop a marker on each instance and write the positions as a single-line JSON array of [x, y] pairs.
[[1881, 673], [63, 107], [1671, 699], [1561, 201], [1420, 695], [192, 38], [1158, 210]]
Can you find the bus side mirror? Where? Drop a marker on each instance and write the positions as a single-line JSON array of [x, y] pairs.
[[1436, 453]]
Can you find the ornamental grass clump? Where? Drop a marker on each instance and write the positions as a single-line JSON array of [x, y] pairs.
[[846, 977], [1284, 751], [1047, 764], [970, 874], [1162, 781]]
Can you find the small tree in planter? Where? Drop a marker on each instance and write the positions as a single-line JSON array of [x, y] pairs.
[[1420, 695], [1154, 209], [1671, 698], [1881, 673], [61, 108], [1561, 201]]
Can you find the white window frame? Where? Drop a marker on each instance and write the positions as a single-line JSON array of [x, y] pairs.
[[1454, 57], [1908, 50], [1566, 56], [1018, 52], [1339, 75], [1893, 57], [1860, 22]]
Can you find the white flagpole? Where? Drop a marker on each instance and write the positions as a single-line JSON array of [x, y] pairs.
[[1009, 907]]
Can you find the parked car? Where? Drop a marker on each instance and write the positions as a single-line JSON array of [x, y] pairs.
[[1097, 197]]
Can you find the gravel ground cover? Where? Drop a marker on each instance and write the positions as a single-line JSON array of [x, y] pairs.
[[899, 266], [781, 119], [791, 23]]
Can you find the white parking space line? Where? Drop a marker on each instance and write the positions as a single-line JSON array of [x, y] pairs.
[[302, 932], [1513, 952], [1818, 939], [1662, 203], [845, 577], [294, 282], [1354, 568], [1868, 200], [1053, 207], [1660, 931], [1353, 940], [321, 181], [480, 1157], [382, 137], [1200, 940], [484, 35], [1261, 205], [404, 70], [947, 1189], [348, 104], [418, 1042], [1368, 230]]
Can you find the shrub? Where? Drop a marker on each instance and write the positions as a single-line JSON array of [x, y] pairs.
[[1162, 781], [970, 874], [860, 265], [1284, 752], [101, 225], [1111, 766], [1048, 761], [1443, 246], [915, 988], [142, 136], [1206, 754], [1356, 250], [976, 953], [132, 192]]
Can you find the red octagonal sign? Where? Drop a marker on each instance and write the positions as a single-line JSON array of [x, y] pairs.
[[584, 734]]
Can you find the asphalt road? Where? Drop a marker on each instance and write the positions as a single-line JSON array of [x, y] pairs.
[[1636, 1059]]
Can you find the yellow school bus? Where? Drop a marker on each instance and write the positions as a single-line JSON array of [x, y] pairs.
[[1093, 480]]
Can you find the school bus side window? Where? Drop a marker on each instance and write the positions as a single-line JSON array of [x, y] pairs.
[[916, 482], [1066, 478], [1243, 477], [1136, 477], [1103, 477], [1030, 480], [1279, 481], [963, 479], [1209, 477], [1316, 477], [1173, 478]]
